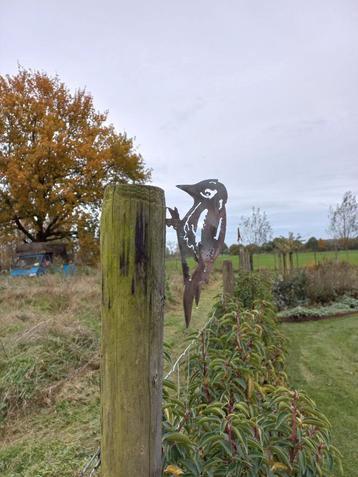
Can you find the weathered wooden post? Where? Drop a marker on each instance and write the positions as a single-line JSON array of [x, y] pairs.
[[132, 254], [242, 258], [228, 281], [246, 259]]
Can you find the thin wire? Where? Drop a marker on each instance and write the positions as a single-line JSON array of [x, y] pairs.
[[188, 376], [94, 462], [193, 341]]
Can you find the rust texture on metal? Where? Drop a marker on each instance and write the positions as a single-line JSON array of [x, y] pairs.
[[201, 235]]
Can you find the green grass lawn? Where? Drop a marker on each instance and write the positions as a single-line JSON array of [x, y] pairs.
[[323, 361], [302, 259], [268, 260]]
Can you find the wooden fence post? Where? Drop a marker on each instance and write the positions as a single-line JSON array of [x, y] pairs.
[[242, 258], [132, 255], [228, 281], [245, 259]]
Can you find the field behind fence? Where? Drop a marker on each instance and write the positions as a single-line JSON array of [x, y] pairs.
[[270, 261]]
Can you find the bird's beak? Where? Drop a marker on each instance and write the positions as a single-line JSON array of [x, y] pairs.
[[190, 189]]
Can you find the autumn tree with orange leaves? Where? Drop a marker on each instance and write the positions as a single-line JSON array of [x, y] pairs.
[[57, 153]]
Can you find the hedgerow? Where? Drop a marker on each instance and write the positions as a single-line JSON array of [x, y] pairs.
[[234, 414]]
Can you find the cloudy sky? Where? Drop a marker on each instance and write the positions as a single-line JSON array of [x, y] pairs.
[[262, 94]]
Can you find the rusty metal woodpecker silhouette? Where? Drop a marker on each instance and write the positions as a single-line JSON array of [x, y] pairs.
[[208, 213]]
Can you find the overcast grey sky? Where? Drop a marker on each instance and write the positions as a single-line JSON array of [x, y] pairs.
[[260, 94]]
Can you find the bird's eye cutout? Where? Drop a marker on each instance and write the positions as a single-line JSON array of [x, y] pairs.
[[208, 193]]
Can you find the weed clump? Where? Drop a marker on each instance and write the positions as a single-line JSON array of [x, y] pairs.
[[319, 284]]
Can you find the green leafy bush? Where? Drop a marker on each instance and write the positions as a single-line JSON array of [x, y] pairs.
[[234, 414], [291, 290], [253, 286]]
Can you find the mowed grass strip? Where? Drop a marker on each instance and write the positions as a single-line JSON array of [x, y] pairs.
[[323, 361]]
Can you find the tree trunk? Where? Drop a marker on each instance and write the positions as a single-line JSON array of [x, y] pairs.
[[290, 255], [284, 262], [280, 266]]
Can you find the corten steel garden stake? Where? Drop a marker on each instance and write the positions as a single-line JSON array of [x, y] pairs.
[[132, 254], [210, 197]]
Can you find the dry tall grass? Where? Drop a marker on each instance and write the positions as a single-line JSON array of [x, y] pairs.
[[49, 368], [49, 381]]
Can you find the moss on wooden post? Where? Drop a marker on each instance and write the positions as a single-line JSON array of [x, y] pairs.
[[132, 255]]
